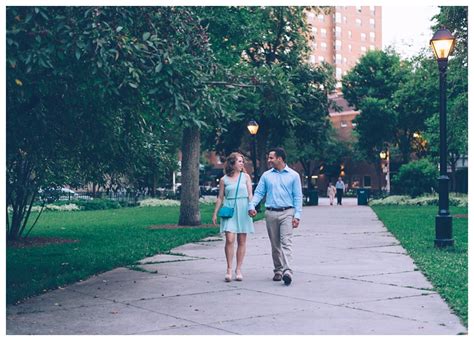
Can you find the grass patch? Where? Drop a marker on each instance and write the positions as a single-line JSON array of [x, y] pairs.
[[446, 269], [106, 240]]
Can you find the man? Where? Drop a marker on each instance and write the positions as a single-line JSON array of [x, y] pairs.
[[282, 186], [339, 190]]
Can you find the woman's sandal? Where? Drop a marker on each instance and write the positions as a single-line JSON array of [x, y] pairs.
[[238, 277], [228, 277]]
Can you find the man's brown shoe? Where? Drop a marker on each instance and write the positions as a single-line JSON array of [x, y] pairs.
[[277, 277]]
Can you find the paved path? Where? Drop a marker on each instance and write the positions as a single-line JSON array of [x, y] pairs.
[[350, 277]]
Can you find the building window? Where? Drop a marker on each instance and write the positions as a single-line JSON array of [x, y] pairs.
[[321, 58], [372, 23], [323, 32], [349, 33], [367, 182], [338, 58], [363, 49], [324, 46], [321, 17], [344, 60], [372, 10], [350, 47], [372, 47], [358, 22], [312, 59], [363, 36], [338, 17], [338, 44], [372, 36], [343, 124], [310, 15], [315, 45], [338, 31], [344, 19], [359, 8], [354, 124]]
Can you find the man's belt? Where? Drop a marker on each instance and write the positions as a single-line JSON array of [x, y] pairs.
[[278, 209]]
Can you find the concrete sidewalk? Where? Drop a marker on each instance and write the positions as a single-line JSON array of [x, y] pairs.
[[350, 277]]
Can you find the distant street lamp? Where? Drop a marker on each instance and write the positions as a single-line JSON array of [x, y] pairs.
[[443, 44], [385, 155], [252, 126]]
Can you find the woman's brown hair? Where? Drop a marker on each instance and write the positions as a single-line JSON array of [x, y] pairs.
[[230, 163]]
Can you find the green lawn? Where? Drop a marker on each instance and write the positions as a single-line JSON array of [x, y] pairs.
[[107, 239], [446, 269]]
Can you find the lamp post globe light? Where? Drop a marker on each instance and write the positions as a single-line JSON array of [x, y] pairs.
[[252, 126], [443, 45]]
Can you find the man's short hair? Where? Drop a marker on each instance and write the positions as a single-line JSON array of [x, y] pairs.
[[279, 152]]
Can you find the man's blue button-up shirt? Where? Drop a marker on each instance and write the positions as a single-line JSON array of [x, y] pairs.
[[282, 188]]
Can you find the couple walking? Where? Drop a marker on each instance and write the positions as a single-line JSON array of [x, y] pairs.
[[282, 187]]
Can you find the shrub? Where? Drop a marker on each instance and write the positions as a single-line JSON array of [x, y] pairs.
[[416, 178], [98, 204], [391, 200], [455, 200], [159, 202]]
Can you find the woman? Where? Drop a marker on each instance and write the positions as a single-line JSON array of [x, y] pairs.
[[240, 223], [331, 193]]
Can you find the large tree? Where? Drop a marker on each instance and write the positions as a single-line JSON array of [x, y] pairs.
[[310, 138], [414, 101], [370, 87], [80, 80], [267, 48], [455, 19]]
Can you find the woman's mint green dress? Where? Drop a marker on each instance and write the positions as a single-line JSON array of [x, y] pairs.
[[240, 221]]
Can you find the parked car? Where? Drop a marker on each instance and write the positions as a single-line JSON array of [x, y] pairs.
[[51, 194]]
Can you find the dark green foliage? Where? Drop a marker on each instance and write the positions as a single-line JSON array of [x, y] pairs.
[[97, 204], [375, 127], [97, 91], [446, 269], [370, 87], [416, 178], [378, 74]]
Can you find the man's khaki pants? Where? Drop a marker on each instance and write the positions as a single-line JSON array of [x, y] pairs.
[[280, 232]]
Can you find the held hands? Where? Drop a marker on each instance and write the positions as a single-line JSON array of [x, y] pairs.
[[295, 223], [252, 213]]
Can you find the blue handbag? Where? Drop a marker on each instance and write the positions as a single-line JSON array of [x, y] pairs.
[[227, 212]]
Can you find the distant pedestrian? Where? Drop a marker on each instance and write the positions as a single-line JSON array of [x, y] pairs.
[[331, 193], [235, 190], [339, 190], [284, 199]]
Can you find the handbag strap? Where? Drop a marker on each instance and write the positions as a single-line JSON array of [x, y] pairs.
[[237, 190]]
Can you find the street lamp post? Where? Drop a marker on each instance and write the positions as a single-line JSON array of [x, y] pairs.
[[443, 44], [252, 126]]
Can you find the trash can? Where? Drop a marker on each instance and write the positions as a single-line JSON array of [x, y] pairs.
[[362, 196], [313, 197]]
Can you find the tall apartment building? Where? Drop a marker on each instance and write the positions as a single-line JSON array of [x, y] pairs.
[[344, 35]]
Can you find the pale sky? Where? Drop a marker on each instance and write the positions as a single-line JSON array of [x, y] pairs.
[[407, 28]]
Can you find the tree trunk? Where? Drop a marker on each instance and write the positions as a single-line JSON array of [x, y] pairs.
[[21, 191], [189, 214]]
